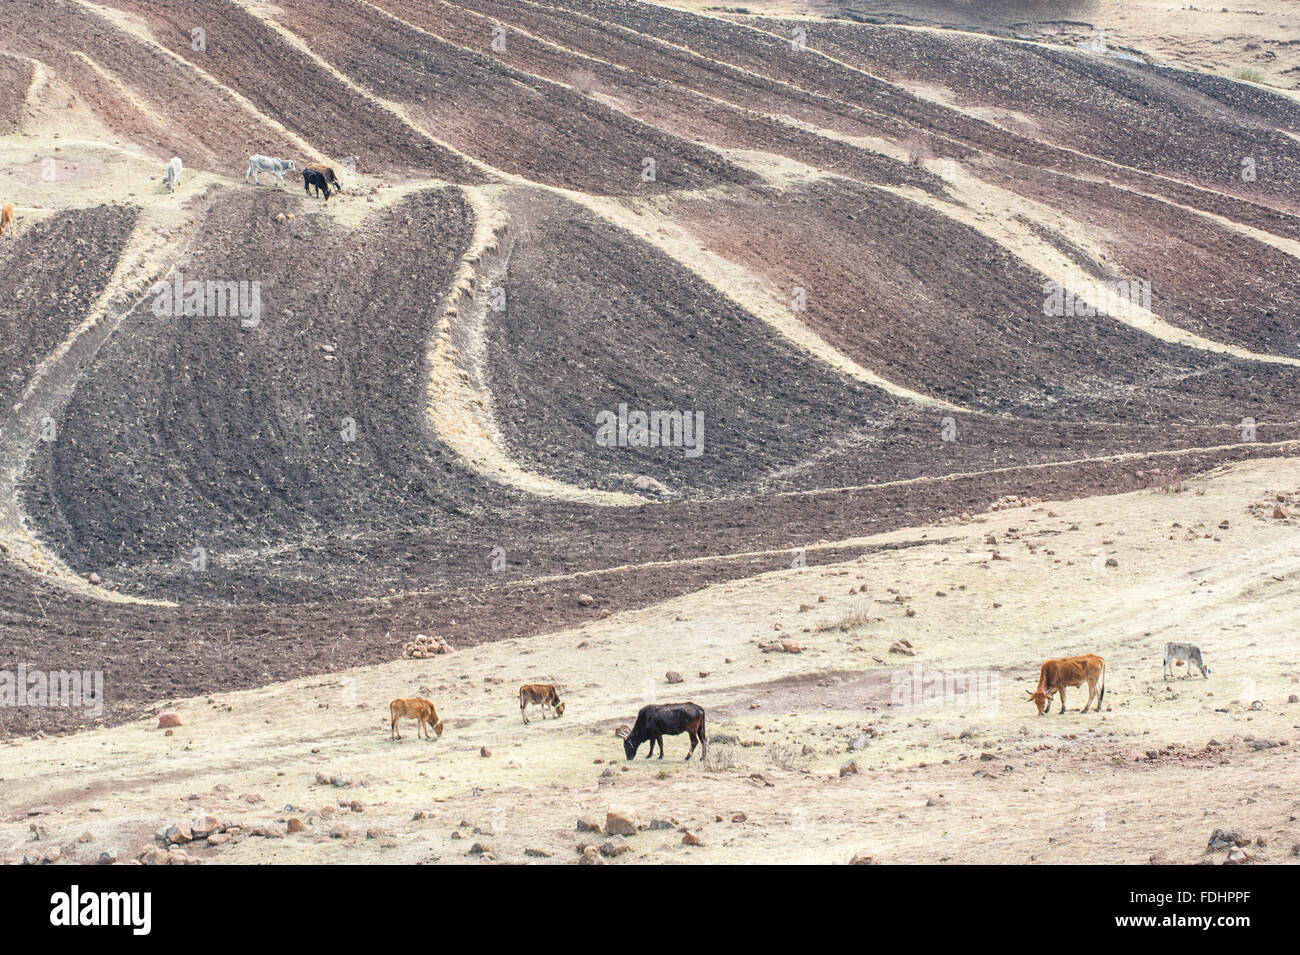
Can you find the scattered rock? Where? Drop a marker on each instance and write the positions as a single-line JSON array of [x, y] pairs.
[[614, 847], [1223, 838], [620, 822], [672, 676], [424, 646], [691, 839], [168, 720]]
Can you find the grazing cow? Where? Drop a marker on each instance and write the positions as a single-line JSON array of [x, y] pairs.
[[1177, 654], [325, 171], [276, 167], [6, 216], [542, 694], [415, 709], [656, 721], [310, 177], [174, 173], [1056, 675]]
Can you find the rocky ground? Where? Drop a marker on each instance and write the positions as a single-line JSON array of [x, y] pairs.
[[874, 706]]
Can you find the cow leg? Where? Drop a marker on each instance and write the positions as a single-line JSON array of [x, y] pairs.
[[661, 746], [1062, 692], [396, 733], [1092, 691], [523, 711], [694, 739]]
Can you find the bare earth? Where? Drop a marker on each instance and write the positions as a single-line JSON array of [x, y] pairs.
[[1221, 38], [980, 779]]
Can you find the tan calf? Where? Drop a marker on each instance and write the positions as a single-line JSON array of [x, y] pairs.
[[416, 709]]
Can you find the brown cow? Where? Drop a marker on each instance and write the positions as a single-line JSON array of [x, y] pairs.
[[1056, 675], [6, 216], [326, 173], [542, 694], [416, 709]]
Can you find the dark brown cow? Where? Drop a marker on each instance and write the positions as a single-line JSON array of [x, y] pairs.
[[656, 721], [1056, 675]]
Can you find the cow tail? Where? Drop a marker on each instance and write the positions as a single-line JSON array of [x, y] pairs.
[[1102, 696], [702, 734]]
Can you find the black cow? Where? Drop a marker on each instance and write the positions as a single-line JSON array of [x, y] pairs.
[[656, 721], [312, 177]]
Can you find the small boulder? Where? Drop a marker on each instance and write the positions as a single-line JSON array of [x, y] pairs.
[[620, 822]]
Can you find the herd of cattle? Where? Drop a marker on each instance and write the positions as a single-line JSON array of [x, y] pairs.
[[657, 720], [314, 175]]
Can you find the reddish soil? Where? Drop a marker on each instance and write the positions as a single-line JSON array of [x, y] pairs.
[[1205, 277], [485, 108], [926, 301], [205, 123], [1126, 113], [248, 57]]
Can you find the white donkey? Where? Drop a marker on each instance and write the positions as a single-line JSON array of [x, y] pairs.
[[174, 173]]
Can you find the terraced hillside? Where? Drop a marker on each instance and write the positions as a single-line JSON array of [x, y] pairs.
[[250, 434]]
